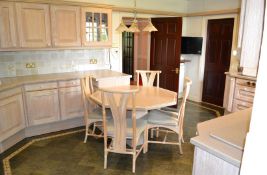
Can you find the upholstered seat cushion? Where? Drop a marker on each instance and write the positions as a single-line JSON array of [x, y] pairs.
[[159, 117], [140, 127]]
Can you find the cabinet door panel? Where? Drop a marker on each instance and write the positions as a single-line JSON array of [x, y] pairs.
[[8, 35], [42, 106], [71, 102], [66, 26], [33, 24], [11, 116]]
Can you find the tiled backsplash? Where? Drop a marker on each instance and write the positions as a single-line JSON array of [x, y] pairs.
[[14, 63]]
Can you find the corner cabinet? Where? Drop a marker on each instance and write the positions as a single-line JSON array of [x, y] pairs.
[[33, 25], [96, 27], [8, 33], [66, 30], [11, 115]]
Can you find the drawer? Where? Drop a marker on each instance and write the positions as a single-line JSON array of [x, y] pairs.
[[69, 83], [248, 83], [10, 92], [41, 86], [245, 93], [239, 105]]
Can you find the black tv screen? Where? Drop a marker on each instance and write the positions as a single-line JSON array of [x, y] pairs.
[[191, 45]]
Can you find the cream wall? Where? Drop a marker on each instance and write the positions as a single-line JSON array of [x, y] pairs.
[[212, 5]]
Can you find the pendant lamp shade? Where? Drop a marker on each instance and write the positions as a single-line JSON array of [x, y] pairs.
[[134, 27], [122, 27], [150, 28]]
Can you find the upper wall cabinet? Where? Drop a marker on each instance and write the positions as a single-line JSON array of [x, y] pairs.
[[66, 26], [96, 27], [33, 25], [8, 37]]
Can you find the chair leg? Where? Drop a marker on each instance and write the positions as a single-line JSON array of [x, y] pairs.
[[93, 132], [145, 141], [182, 139], [157, 133], [180, 145], [105, 159], [86, 133], [151, 133], [134, 159]]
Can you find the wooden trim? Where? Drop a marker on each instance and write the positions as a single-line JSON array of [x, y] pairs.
[[218, 12]]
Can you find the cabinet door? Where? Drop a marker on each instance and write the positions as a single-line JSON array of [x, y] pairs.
[[8, 35], [11, 116], [96, 27], [71, 102], [66, 26], [42, 106], [33, 25]]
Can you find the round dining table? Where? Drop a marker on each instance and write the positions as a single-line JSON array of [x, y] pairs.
[[146, 98]]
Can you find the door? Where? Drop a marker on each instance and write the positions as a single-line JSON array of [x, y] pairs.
[[42, 106], [96, 27], [218, 55], [66, 26], [165, 51], [8, 35], [33, 25], [71, 102], [128, 53]]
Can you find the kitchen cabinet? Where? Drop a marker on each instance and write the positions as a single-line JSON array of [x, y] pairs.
[[66, 26], [70, 102], [8, 33], [252, 14], [11, 114], [33, 25], [42, 103], [96, 27]]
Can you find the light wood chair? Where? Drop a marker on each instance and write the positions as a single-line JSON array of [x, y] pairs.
[[122, 128], [148, 77], [170, 122], [92, 112]]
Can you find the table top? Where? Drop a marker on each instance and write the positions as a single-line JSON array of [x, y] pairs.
[[147, 98]]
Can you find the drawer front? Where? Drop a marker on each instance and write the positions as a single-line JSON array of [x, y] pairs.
[[245, 93], [239, 105], [69, 83], [9, 93], [41, 86], [248, 83]]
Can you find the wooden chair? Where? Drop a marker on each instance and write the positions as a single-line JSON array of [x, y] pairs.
[[148, 77], [121, 128], [92, 112], [170, 122]]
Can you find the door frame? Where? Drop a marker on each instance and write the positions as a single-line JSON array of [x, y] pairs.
[[233, 61]]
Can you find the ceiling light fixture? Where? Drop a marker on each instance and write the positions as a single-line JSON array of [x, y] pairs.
[[134, 26]]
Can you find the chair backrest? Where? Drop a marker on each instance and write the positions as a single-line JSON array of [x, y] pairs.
[[87, 90], [187, 84], [148, 77], [118, 101]]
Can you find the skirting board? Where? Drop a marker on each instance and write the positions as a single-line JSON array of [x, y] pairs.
[[40, 129]]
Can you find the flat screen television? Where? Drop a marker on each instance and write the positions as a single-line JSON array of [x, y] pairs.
[[191, 45]]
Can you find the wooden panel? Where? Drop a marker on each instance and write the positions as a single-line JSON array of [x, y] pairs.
[[239, 105], [69, 83], [33, 25], [10, 92], [245, 93], [100, 28], [42, 106], [71, 102], [66, 26], [229, 93], [40, 86], [11, 116], [8, 33]]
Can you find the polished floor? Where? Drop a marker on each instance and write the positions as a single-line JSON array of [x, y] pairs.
[[66, 154]]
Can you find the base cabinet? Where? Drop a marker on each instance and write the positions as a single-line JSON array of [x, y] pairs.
[[42, 106], [11, 116], [70, 102]]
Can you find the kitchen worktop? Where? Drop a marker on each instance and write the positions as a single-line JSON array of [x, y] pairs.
[[7, 83], [224, 137], [239, 75]]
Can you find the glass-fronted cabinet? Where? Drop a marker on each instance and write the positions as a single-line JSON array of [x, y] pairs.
[[96, 27]]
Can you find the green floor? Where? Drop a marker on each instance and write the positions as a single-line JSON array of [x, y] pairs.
[[68, 155]]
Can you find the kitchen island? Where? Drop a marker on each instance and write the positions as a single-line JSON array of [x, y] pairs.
[[39, 104], [220, 143]]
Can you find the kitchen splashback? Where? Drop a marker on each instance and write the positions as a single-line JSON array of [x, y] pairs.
[[44, 62]]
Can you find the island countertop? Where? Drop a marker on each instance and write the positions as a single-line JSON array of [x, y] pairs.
[[10, 82], [224, 137]]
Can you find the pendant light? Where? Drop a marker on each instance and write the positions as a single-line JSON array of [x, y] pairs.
[[150, 28], [122, 27]]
